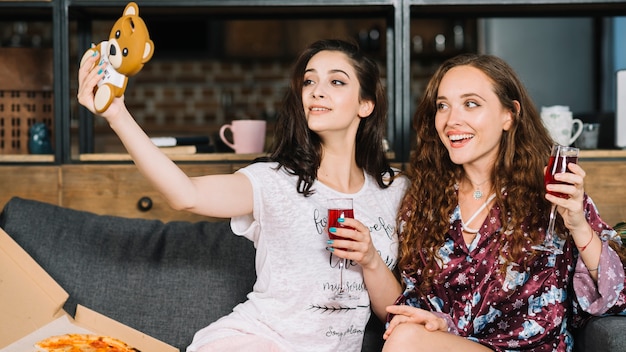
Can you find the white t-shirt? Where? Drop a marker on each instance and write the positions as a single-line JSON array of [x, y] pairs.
[[296, 276]]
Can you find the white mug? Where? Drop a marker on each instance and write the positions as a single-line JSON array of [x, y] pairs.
[[248, 136], [563, 128]]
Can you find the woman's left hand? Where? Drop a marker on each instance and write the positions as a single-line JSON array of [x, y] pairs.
[[405, 314], [572, 207], [356, 243]]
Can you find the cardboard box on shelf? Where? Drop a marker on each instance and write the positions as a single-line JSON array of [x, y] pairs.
[[31, 307], [26, 96], [26, 69]]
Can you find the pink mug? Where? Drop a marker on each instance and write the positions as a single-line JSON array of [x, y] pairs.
[[248, 136]]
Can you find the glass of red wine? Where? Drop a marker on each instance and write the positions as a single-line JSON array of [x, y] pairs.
[[559, 158], [339, 208]]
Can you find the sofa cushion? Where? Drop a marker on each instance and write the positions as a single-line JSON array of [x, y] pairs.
[[166, 280], [602, 334]]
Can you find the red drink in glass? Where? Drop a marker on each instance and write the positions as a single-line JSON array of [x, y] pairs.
[[560, 156], [339, 208], [557, 164], [333, 215]]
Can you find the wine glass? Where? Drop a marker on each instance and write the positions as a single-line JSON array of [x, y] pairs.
[[559, 158], [339, 208]]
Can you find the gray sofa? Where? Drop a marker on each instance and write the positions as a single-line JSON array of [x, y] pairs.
[[169, 280]]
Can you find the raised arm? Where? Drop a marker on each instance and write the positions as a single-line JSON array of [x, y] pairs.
[[212, 195]]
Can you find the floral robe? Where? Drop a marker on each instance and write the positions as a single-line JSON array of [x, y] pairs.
[[528, 309]]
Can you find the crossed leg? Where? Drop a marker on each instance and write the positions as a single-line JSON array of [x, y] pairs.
[[414, 337]]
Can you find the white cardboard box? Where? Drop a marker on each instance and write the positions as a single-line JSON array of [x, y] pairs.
[[31, 306]]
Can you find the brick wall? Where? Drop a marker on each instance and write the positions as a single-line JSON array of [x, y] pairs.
[[191, 97], [201, 93]]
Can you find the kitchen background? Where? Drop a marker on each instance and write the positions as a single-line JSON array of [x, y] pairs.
[[225, 69]]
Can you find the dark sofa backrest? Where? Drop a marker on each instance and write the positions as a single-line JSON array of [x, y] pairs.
[[167, 280]]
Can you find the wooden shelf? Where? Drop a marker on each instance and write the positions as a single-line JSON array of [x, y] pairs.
[[602, 154], [26, 158], [182, 154], [176, 156]]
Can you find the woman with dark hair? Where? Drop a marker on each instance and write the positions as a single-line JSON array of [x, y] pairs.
[[473, 214], [328, 144]]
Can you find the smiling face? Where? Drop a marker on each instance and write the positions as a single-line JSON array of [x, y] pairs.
[[331, 95], [470, 119]]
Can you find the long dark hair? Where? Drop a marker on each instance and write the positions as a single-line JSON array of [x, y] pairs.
[[299, 150]]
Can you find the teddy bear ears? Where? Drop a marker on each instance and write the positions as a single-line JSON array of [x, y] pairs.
[[148, 50], [132, 9]]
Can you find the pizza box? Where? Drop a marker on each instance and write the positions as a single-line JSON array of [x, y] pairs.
[[31, 307]]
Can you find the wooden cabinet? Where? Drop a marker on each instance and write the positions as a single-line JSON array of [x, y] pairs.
[[32, 182], [118, 190], [605, 185], [121, 190]]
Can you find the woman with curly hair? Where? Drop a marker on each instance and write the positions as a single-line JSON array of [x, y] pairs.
[[476, 207]]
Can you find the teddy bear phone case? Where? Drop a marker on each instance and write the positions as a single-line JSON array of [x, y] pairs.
[[129, 47]]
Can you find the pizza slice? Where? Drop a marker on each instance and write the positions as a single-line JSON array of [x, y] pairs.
[[83, 343]]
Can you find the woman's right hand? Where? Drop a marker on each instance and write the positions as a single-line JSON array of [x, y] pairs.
[[355, 243], [89, 74]]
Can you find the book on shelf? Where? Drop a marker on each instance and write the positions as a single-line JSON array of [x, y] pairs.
[[183, 149], [177, 141], [184, 145]]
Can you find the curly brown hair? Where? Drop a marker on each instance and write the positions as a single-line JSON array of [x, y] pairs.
[[517, 175]]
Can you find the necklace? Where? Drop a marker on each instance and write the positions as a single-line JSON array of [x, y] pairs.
[[477, 192], [481, 208]]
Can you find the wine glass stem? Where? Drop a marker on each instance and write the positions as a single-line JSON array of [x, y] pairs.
[[550, 231], [342, 263]]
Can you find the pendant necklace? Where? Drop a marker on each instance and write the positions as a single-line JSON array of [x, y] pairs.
[[477, 192], [482, 207]]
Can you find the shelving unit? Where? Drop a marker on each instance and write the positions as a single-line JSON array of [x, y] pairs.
[[86, 11], [458, 9], [13, 133], [398, 15]]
